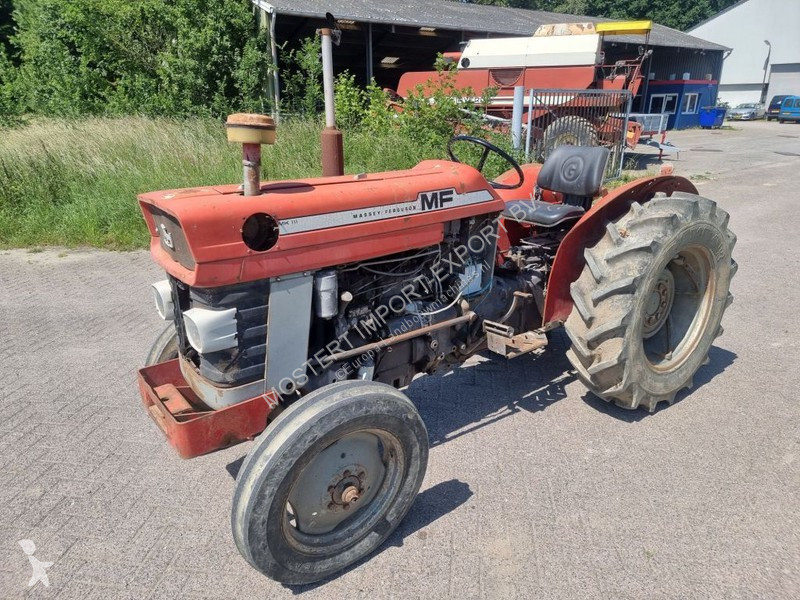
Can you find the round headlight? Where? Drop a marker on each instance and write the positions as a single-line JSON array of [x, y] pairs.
[[260, 232]]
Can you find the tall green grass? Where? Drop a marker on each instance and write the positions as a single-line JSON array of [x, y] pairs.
[[74, 183]]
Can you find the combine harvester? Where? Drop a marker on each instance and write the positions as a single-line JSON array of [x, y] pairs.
[[567, 57]]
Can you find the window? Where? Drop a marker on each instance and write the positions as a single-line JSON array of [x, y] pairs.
[[797, 103], [663, 103], [689, 104]]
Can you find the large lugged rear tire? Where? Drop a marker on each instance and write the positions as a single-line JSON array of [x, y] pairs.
[[570, 130], [648, 304], [328, 481]]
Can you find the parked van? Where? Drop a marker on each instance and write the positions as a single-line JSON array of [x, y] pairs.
[[790, 109], [775, 107]]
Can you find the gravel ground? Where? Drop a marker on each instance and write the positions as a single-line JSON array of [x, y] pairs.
[[534, 487]]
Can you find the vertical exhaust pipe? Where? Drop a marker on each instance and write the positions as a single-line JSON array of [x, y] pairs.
[[251, 131], [331, 140]]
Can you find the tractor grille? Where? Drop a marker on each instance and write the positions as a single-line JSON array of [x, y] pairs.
[[172, 239], [234, 366]]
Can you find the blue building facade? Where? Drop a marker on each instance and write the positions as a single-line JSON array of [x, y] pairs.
[[681, 99]]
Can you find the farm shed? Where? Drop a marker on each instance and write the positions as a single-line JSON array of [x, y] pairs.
[[384, 40]]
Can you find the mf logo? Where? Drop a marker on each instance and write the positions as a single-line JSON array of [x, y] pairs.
[[436, 200]]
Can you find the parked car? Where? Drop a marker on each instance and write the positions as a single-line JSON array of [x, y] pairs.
[[775, 107], [747, 112], [790, 109]]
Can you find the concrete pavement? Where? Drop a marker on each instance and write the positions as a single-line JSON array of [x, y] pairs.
[[535, 489]]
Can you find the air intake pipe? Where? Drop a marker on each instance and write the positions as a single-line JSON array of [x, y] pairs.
[[251, 130]]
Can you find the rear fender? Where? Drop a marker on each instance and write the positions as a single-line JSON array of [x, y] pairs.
[[569, 261]]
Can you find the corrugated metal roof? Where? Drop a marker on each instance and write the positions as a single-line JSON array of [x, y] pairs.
[[447, 14]]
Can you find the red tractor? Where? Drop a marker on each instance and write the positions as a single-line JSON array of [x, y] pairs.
[[301, 308]]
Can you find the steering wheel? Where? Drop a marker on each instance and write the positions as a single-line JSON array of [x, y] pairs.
[[488, 147]]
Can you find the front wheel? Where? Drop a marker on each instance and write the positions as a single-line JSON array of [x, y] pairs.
[[328, 481], [648, 304], [164, 348]]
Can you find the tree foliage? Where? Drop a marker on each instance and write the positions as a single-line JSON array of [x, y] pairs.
[[427, 117], [160, 57], [678, 14], [302, 78]]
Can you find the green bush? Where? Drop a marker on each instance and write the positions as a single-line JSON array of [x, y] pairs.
[[9, 105], [425, 120], [113, 57], [302, 78], [350, 101]]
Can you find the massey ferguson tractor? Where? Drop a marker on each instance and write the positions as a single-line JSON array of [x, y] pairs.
[[299, 309]]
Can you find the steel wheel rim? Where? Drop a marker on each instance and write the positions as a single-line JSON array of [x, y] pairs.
[[659, 304], [672, 330], [372, 469], [567, 138]]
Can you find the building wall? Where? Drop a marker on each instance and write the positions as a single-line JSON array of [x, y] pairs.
[[681, 99], [669, 64], [744, 28], [784, 80], [738, 93], [675, 63]]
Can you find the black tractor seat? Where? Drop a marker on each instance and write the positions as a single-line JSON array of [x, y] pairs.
[[543, 214], [574, 171]]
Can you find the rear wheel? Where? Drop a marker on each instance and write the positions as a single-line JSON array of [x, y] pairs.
[[328, 481], [571, 130], [648, 304]]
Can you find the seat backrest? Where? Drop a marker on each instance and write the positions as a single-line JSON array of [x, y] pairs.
[[574, 170]]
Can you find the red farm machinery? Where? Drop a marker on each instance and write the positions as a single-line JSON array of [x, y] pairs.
[[557, 65]]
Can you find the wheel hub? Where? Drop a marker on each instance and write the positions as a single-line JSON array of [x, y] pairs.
[[676, 313], [566, 139], [351, 494], [340, 481], [659, 304], [347, 487]]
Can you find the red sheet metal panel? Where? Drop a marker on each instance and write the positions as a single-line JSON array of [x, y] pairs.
[[212, 219], [192, 428]]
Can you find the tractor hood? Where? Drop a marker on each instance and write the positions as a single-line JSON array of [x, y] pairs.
[[213, 236]]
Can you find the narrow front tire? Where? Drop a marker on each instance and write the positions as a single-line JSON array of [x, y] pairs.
[[164, 348], [328, 481]]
